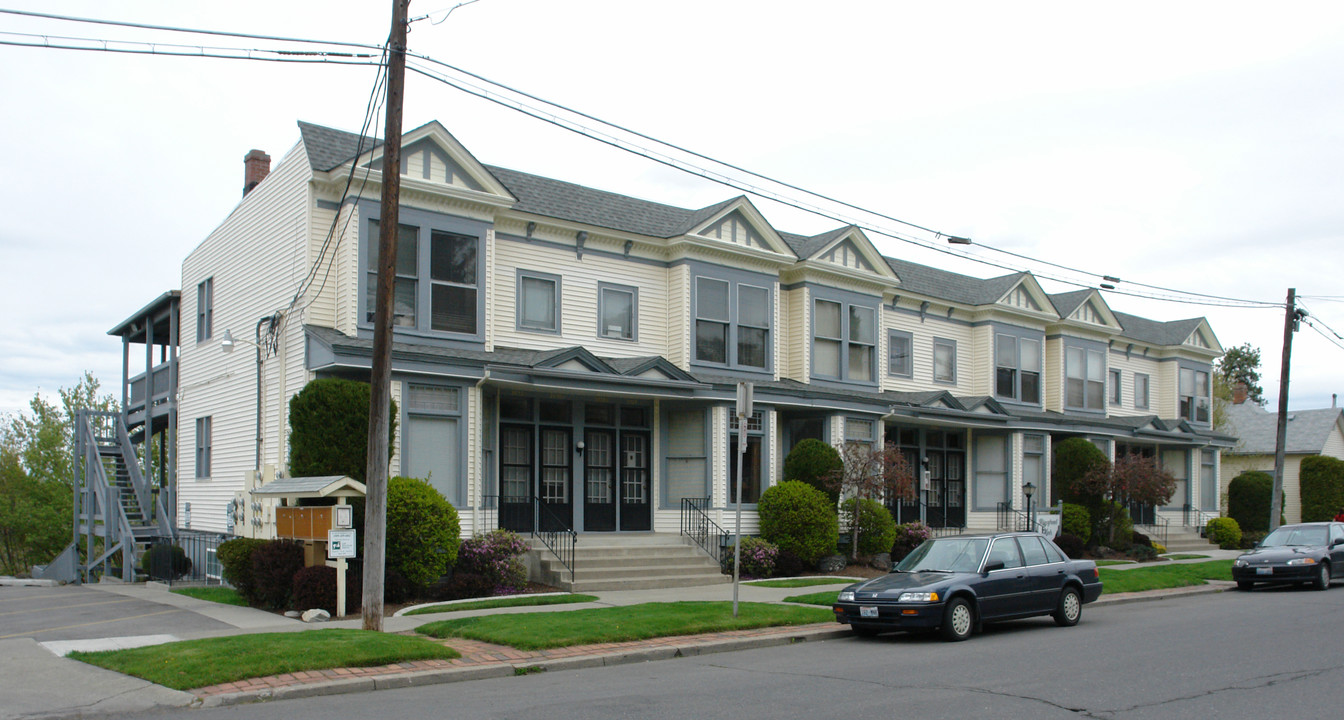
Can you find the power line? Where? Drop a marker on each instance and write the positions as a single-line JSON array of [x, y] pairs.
[[193, 31], [194, 51]]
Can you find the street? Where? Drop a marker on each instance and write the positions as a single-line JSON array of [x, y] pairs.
[[1273, 652]]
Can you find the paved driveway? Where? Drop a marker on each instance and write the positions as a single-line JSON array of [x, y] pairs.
[[77, 612]]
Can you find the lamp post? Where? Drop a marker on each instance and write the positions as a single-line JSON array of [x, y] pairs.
[[1028, 490], [228, 344]]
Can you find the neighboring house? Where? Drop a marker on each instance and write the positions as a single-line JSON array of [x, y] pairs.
[[1310, 432], [579, 349]]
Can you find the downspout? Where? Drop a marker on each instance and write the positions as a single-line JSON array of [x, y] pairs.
[[480, 455]]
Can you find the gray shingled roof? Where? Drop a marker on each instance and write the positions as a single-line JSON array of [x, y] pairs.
[[301, 485], [1258, 429], [1066, 303], [1173, 332], [805, 247], [952, 286]]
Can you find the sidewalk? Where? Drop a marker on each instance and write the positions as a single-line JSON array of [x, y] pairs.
[[39, 683]]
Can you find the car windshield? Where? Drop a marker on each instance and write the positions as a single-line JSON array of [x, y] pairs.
[[946, 555], [1288, 536]]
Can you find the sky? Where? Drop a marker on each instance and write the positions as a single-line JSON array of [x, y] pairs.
[[1192, 146]]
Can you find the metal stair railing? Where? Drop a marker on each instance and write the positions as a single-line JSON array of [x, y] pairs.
[[150, 502], [702, 530], [1196, 518], [1010, 519], [102, 497], [561, 542]]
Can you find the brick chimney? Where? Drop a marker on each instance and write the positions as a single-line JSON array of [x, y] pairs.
[[257, 165], [1239, 392]]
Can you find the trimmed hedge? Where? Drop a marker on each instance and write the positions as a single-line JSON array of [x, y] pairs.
[[1225, 531], [799, 518], [877, 531], [1248, 500], [235, 556], [165, 562], [1321, 487], [1077, 522], [1073, 459], [422, 531], [815, 463], [274, 565], [329, 429]]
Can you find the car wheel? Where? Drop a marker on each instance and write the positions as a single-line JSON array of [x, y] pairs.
[[1070, 608], [1245, 585], [1322, 580], [958, 620], [864, 630]]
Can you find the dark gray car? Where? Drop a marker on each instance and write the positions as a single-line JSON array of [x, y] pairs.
[[1304, 553]]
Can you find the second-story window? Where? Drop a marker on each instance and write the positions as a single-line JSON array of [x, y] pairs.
[[1017, 368], [1140, 391], [617, 308], [944, 360], [1115, 387], [538, 301], [732, 323], [205, 309], [437, 275], [844, 341], [1084, 378], [1194, 395], [899, 347]]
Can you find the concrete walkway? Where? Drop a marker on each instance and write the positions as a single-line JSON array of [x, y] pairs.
[[37, 681]]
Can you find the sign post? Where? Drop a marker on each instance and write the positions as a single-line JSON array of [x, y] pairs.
[[341, 544], [743, 411]]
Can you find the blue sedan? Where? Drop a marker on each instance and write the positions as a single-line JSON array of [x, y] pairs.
[[956, 584]]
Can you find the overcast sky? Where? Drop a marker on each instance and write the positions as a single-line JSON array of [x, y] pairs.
[[1193, 146]]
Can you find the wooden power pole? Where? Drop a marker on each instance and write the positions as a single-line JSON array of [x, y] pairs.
[[1290, 320], [380, 392]]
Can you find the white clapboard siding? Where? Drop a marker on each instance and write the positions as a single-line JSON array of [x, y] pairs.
[[937, 325], [1128, 366], [255, 257], [1166, 390], [1054, 375], [979, 359]]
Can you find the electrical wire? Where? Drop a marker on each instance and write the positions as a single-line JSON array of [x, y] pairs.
[[195, 51], [193, 31], [1322, 333]]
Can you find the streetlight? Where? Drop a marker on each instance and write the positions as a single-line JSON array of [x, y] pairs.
[[228, 344], [1029, 489]]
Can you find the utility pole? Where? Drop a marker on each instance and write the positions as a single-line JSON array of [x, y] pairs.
[[380, 390], [1290, 325]]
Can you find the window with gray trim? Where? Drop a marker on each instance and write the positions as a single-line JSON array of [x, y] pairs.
[[1194, 387], [203, 446], [1017, 368], [617, 311], [752, 460], [205, 309], [1084, 378], [899, 347], [844, 340], [944, 360], [687, 456], [431, 443], [538, 301], [1140, 391], [1115, 387], [732, 323], [437, 267]]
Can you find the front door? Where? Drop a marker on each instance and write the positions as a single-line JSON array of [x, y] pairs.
[[636, 507], [555, 484], [599, 481], [515, 477]]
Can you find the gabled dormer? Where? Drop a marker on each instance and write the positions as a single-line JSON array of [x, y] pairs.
[[1027, 295], [1085, 309], [432, 160], [737, 224], [844, 251]]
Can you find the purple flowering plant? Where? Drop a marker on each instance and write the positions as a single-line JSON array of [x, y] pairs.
[[497, 556]]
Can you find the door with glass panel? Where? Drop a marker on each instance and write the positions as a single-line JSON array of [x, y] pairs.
[[599, 481], [636, 506], [555, 482], [515, 477]]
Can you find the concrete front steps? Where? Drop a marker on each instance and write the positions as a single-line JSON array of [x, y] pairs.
[[629, 561], [1181, 539]]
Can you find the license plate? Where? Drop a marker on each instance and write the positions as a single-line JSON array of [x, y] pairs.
[[1264, 571], [868, 612]]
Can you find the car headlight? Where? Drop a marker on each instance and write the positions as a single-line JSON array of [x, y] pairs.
[[846, 596], [918, 597], [1240, 563], [1302, 561]]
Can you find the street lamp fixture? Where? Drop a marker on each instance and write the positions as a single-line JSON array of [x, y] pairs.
[[1029, 489], [229, 343]]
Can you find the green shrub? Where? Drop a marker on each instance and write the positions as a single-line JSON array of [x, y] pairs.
[[788, 564], [1074, 458], [496, 556], [877, 531], [235, 557], [1141, 553], [1139, 538], [315, 588], [908, 537], [1248, 500], [274, 565], [1251, 539], [1225, 531], [1321, 484], [165, 562], [329, 429], [1077, 522], [1122, 528], [799, 518], [757, 561], [815, 463], [1070, 545], [422, 531]]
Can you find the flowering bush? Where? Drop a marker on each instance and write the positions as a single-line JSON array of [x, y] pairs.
[[908, 537], [758, 558], [496, 556]]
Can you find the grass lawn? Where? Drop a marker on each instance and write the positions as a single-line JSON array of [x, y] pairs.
[[825, 598], [1104, 563], [1164, 576], [801, 582], [517, 601], [538, 631], [197, 663], [216, 593]]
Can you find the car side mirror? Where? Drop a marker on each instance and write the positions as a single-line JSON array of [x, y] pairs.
[[993, 565], [1337, 542]]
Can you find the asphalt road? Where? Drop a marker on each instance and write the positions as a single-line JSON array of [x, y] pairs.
[[73, 612], [1271, 653]]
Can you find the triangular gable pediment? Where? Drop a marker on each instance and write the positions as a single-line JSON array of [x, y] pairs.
[[577, 359], [943, 400], [1027, 295], [847, 255], [1203, 338], [432, 155], [1095, 311], [854, 251], [659, 368], [986, 406], [741, 224]]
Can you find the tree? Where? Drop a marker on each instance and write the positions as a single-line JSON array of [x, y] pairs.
[[1074, 459], [1242, 364], [1131, 478], [869, 473], [329, 428]]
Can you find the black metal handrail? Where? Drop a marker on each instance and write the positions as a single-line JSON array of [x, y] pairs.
[[561, 542], [1196, 518], [703, 531], [188, 558], [1157, 529]]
